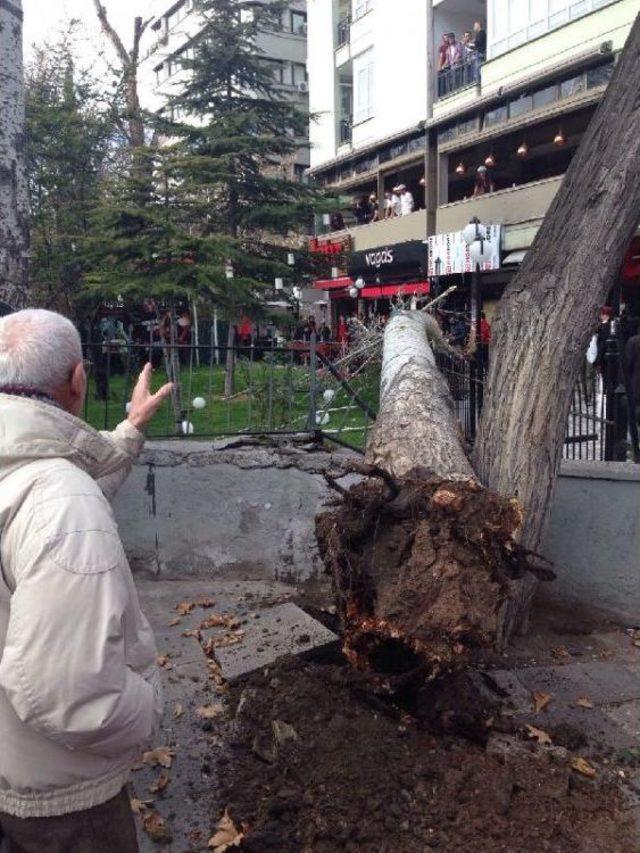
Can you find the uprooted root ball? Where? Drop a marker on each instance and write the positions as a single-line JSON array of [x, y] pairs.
[[421, 568]]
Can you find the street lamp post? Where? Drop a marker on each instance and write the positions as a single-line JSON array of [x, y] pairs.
[[475, 236]]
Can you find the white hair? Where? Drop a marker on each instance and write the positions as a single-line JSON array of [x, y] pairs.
[[38, 349]]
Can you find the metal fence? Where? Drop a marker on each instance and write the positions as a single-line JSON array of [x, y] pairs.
[[222, 391], [300, 387], [601, 424]]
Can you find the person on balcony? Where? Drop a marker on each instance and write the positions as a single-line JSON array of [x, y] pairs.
[[406, 201], [362, 211], [375, 208], [388, 205], [484, 182], [479, 45], [442, 51], [395, 202]]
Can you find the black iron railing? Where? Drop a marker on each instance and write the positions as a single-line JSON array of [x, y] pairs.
[[463, 73]]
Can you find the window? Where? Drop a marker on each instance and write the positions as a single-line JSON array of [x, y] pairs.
[[520, 106], [299, 73], [572, 86], [277, 70], [544, 97], [299, 23], [363, 77], [496, 116], [599, 76], [361, 7]]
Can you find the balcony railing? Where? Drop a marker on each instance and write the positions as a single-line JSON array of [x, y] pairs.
[[344, 134], [344, 32], [464, 73]]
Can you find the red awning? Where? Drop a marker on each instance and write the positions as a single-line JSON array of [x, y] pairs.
[[332, 283], [631, 265], [388, 290]]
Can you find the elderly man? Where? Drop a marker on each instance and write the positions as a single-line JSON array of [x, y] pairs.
[[79, 695]]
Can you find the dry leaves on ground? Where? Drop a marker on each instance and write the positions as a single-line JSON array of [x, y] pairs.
[[205, 601], [583, 702], [582, 766], [156, 827], [160, 784], [185, 607], [227, 835], [164, 661], [137, 806], [175, 622], [222, 641], [538, 734], [561, 653], [178, 710], [541, 700], [210, 712], [193, 632], [218, 620], [161, 755]]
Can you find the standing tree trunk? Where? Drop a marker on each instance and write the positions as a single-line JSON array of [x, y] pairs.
[[230, 367], [549, 311], [14, 215]]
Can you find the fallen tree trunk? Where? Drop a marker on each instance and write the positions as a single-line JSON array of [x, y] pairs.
[[421, 555]]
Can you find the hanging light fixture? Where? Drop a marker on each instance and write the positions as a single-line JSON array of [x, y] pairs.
[[490, 161], [523, 149], [460, 168], [559, 138]]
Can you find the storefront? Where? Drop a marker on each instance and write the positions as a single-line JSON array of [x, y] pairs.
[[377, 276]]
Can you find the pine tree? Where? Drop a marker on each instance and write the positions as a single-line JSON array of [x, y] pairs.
[[69, 132], [220, 211]]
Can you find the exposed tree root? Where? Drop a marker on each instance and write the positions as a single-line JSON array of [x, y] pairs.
[[421, 567]]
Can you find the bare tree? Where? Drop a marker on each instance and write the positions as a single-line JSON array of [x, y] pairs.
[[14, 214], [129, 62], [439, 560]]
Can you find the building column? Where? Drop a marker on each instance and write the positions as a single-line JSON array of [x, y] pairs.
[[431, 151], [380, 192]]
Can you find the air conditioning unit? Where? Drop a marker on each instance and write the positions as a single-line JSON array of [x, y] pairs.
[[303, 87]]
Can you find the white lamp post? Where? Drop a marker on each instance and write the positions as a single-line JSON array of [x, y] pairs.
[[475, 236]]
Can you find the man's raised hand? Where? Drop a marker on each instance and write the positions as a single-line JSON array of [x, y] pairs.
[[144, 404]]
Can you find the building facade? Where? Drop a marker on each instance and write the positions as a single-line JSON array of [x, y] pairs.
[[173, 34], [389, 115]]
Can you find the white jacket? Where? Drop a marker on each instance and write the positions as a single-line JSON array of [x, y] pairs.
[[79, 691]]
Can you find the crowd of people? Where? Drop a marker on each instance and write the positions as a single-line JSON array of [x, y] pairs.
[[397, 202], [455, 53]]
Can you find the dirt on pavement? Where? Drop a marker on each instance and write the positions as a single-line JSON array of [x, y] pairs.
[[320, 764]]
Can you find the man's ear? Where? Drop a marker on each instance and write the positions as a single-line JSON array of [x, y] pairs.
[[78, 380]]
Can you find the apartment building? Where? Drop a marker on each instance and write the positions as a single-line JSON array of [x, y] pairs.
[[174, 31], [389, 116]]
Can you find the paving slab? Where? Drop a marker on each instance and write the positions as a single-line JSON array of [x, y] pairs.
[[270, 635]]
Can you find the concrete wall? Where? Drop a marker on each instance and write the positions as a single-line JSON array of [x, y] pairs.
[[594, 538], [203, 508], [214, 508]]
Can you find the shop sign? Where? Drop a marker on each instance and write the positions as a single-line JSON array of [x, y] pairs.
[[330, 247], [411, 255], [453, 255]]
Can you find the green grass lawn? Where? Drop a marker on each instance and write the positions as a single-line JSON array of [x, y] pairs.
[[269, 396]]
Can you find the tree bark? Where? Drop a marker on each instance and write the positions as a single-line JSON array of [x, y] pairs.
[[416, 424], [549, 311], [14, 210]]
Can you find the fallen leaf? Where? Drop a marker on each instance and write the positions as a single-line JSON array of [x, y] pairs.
[[227, 835], [178, 711], [137, 806], [175, 622], [192, 633], [160, 784], [156, 827], [217, 620], [210, 712], [205, 601], [164, 661], [538, 734], [161, 755], [541, 700], [185, 607], [607, 654], [560, 653], [581, 765], [583, 702]]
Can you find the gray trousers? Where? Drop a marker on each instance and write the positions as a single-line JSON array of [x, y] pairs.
[[107, 828]]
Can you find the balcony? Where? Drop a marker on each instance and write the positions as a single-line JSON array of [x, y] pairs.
[[344, 131], [460, 76], [520, 209], [343, 32]]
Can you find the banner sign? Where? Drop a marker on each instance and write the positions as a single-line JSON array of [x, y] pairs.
[[389, 260], [449, 254]]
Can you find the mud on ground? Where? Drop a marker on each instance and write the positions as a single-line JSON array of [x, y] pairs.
[[319, 764]]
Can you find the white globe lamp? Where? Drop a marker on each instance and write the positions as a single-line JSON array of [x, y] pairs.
[[199, 403], [475, 230], [187, 428]]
